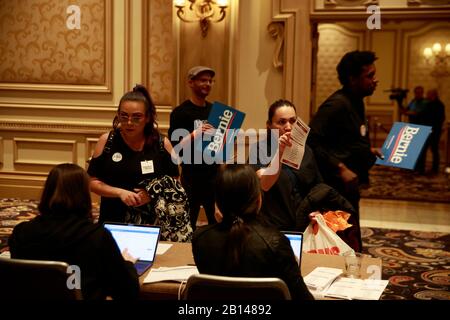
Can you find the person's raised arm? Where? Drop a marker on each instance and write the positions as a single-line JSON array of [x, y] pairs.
[[269, 175]]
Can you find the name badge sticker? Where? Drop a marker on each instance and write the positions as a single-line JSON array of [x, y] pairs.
[[147, 167]]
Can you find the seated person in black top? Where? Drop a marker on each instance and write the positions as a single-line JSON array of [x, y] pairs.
[[242, 245], [64, 231], [290, 195]]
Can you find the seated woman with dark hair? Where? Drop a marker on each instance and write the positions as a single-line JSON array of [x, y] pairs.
[[241, 244], [64, 231]]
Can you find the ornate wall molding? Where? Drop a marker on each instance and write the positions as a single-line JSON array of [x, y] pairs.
[[334, 41], [294, 15], [157, 50], [276, 31], [39, 52], [346, 10], [349, 3], [1, 150], [35, 126], [428, 2], [24, 151]]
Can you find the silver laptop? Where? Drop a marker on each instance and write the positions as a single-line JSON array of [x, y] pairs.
[[140, 240], [296, 240]]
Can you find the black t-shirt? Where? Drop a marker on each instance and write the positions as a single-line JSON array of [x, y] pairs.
[[281, 201], [122, 167], [188, 116]]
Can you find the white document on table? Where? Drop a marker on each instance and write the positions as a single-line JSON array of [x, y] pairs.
[[356, 289], [293, 155], [321, 277], [5, 254], [178, 274], [162, 248]]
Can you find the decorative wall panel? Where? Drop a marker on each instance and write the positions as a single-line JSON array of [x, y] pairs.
[[44, 151], [158, 45], [334, 42], [39, 46]]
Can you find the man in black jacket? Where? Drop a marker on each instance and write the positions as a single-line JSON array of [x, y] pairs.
[[339, 133]]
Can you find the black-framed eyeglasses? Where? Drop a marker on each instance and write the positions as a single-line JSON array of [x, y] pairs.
[[135, 118]]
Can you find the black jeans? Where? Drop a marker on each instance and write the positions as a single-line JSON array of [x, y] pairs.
[[432, 143], [200, 191]]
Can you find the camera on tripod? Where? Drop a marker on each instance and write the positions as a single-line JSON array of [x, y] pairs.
[[398, 94]]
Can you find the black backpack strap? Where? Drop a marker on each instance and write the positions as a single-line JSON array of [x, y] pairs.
[[161, 143], [109, 142]]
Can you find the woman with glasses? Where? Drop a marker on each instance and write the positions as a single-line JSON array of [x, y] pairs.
[[128, 155]]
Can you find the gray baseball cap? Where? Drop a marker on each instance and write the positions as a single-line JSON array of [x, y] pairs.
[[195, 71]]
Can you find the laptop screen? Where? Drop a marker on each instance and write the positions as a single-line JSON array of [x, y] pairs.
[[140, 240], [296, 240]]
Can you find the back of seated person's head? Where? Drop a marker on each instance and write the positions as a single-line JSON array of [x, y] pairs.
[[66, 191], [238, 193], [238, 197]]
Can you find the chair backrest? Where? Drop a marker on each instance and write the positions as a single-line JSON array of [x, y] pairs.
[[22, 279], [212, 287]]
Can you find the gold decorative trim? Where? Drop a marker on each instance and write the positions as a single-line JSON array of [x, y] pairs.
[[347, 3], [276, 31], [145, 43], [31, 126], [89, 147], [49, 106], [1, 150], [404, 13], [428, 2], [106, 88], [128, 56], [21, 175], [17, 141]]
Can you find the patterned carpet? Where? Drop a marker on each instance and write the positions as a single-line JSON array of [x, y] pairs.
[[401, 184], [417, 264]]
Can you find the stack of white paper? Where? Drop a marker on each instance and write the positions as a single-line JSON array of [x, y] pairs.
[[321, 277], [328, 282], [179, 274], [347, 288]]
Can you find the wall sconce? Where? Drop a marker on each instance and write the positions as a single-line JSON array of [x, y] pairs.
[[438, 58], [204, 10]]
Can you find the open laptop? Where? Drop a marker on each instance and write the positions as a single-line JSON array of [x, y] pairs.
[[140, 240], [296, 240]]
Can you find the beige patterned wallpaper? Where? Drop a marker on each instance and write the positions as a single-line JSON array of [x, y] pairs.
[[160, 52], [37, 46], [334, 42]]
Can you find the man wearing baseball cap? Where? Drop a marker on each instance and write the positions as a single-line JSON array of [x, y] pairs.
[[197, 178]]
